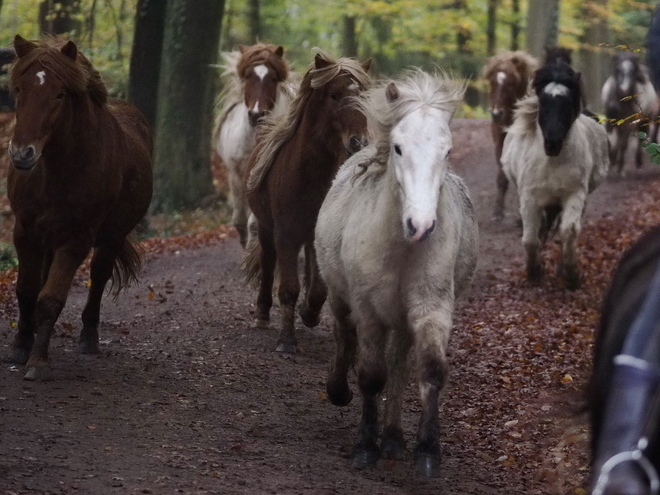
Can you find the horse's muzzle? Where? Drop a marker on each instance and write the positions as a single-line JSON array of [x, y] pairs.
[[23, 158], [255, 117]]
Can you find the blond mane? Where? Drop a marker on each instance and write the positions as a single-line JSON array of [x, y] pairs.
[[523, 63], [525, 115], [277, 131]]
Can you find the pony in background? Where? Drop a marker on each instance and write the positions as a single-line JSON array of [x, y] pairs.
[[508, 75], [290, 175], [556, 156], [627, 94], [81, 179], [256, 82], [397, 242]]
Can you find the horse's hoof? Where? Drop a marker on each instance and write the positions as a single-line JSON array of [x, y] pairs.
[[393, 446], [89, 347], [41, 372], [17, 355], [339, 393], [261, 323], [309, 318], [286, 348], [428, 465], [363, 458]]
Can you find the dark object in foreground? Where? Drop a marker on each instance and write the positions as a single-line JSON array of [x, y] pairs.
[[81, 179]]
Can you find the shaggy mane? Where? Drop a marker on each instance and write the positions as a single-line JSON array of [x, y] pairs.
[[416, 89], [79, 76], [525, 114], [278, 131], [519, 62]]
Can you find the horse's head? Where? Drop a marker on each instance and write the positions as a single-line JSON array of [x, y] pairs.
[[555, 53], [336, 87], [419, 146], [627, 73], [48, 79], [508, 76], [261, 68], [558, 89]]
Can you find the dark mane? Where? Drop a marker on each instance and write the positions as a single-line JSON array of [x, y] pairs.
[[262, 54], [554, 53], [559, 72], [79, 76]]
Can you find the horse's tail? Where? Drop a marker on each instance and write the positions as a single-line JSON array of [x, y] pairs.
[[127, 266], [251, 263]]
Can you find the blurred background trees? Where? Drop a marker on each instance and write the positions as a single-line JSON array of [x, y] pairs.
[[146, 49]]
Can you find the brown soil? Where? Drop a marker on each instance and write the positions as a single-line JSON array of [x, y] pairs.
[[188, 397]]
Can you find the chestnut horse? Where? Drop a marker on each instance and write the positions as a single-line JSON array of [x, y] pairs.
[[256, 78], [508, 75], [289, 177], [81, 179]]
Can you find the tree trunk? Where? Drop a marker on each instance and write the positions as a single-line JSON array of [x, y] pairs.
[[349, 38], [254, 20], [542, 21], [491, 27], [515, 25], [145, 57], [594, 61], [58, 17], [185, 104]]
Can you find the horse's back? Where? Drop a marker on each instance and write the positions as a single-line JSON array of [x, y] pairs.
[[133, 123]]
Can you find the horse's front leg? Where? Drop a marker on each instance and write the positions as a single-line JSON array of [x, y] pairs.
[[316, 291], [50, 302], [288, 291], [502, 181], [532, 217], [431, 336], [392, 444], [101, 271], [31, 260], [267, 262], [372, 375], [569, 230], [337, 387], [240, 213]]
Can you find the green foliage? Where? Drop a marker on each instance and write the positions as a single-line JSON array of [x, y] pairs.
[[8, 257], [653, 149]]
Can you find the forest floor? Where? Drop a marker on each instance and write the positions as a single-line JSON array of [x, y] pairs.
[[188, 397]]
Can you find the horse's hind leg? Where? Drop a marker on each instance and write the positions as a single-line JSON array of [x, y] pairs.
[[372, 375], [288, 291], [31, 260], [431, 339], [316, 294], [337, 387], [398, 369], [50, 302], [267, 261], [101, 271]]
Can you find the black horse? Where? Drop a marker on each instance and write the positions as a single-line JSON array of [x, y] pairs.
[[625, 384]]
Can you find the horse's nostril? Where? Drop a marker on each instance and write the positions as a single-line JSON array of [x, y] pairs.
[[29, 153], [411, 228]]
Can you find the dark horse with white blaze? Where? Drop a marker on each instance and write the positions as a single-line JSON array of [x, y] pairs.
[[508, 75], [293, 168], [81, 179], [624, 390]]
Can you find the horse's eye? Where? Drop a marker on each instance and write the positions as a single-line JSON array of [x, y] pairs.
[[60, 95], [397, 149], [334, 96]]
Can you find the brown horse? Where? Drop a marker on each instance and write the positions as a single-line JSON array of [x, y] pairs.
[[256, 81], [81, 179], [508, 75], [289, 178]]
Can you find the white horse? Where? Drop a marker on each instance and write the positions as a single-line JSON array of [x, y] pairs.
[[256, 85], [555, 156], [396, 240]]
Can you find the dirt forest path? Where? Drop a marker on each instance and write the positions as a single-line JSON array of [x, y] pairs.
[[188, 397]]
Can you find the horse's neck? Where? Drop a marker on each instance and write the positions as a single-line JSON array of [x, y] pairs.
[[322, 145], [388, 208]]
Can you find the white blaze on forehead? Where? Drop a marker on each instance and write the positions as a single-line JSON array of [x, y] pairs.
[[255, 108], [261, 71], [556, 89], [42, 77], [501, 77], [627, 66]]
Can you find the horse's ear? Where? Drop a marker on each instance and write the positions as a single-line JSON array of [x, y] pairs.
[[279, 51], [242, 48], [391, 92], [22, 46], [320, 62], [70, 50], [366, 64]]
